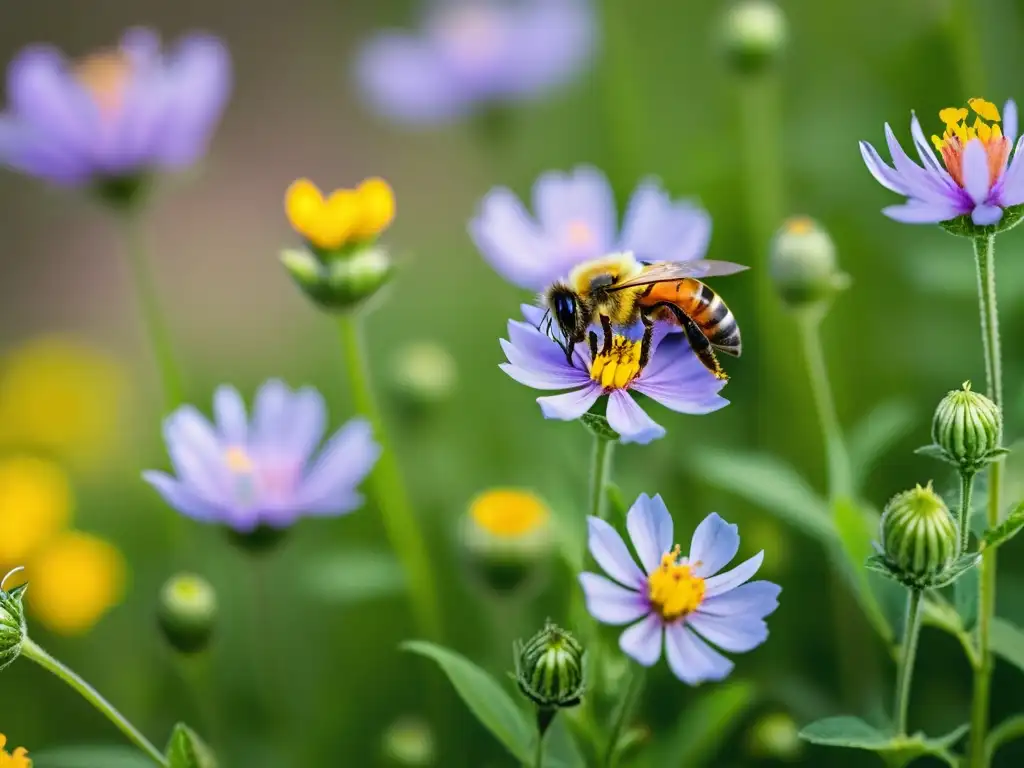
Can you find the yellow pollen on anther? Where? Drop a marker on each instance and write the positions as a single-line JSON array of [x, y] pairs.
[[985, 109], [958, 134], [579, 234], [617, 368], [673, 590], [238, 460]]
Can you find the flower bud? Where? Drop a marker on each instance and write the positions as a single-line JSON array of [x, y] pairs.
[[341, 283], [803, 264], [423, 374], [919, 535], [775, 737], [187, 612], [409, 742], [967, 427], [507, 539], [549, 668], [12, 621], [754, 34]]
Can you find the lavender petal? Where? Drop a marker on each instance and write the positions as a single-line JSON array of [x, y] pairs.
[[630, 421], [714, 544], [571, 405], [755, 599], [642, 641], [610, 552], [610, 603], [691, 659], [650, 529], [975, 171], [719, 585]]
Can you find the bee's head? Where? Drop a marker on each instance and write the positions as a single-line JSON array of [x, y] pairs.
[[569, 311]]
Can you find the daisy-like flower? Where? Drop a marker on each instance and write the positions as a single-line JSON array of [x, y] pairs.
[[116, 113], [683, 603], [673, 377], [975, 173], [575, 220], [474, 53], [263, 473]]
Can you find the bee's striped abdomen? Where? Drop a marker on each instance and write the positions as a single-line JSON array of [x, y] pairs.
[[704, 307]]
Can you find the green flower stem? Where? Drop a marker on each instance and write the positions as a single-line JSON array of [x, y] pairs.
[[966, 492], [600, 474], [149, 306], [30, 650], [984, 251], [622, 714], [538, 751], [905, 673], [388, 489]]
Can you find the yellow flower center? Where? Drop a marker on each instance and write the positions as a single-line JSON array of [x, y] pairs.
[[345, 216], [35, 504], [673, 590], [958, 133], [105, 75], [579, 234], [799, 225], [17, 759], [508, 513], [238, 460], [618, 367]]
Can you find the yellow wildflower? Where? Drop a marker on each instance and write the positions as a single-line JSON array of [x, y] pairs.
[[35, 505], [17, 759], [345, 216], [75, 580], [508, 513]]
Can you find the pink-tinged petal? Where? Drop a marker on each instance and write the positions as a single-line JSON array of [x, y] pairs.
[[571, 405], [975, 171], [714, 544], [509, 239], [642, 641], [540, 379], [719, 585], [180, 497], [229, 411], [883, 174], [610, 552], [919, 212], [691, 659], [610, 603], [629, 420], [650, 529], [736, 634], [755, 599], [985, 215], [345, 461], [1010, 120], [577, 211]]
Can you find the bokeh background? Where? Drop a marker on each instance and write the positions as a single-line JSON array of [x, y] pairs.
[[305, 669]]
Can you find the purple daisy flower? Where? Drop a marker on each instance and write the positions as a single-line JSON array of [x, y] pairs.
[[115, 113], [575, 221], [680, 599], [264, 472], [469, 54], [976, 174], [673, 377]]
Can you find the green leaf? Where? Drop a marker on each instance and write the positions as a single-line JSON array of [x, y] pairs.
[[702, 728], [965, 598], [934, 452], [768, 483], [487, 700], [91, 756], [560, 751], [1009, 730], [616, 501], [876, 433], [1007, 641], [855, 534], [1006, 530], [351, 576], [957, 568], [187, 750], [854, 733]]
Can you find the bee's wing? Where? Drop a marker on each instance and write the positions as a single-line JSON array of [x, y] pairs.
[[663, 271]]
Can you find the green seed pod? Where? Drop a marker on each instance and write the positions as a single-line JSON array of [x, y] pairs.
[[967, 427], [409, 742], [753, 35], [12, 621], [919, 535], [803, 264], [549, 668], [343, 282], [187, 612]]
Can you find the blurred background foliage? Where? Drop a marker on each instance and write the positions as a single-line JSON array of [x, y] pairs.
[[305, 667]]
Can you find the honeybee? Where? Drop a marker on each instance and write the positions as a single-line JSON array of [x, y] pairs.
[[617, 290]]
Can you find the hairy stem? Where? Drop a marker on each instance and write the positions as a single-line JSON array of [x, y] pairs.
[[966, 492], [905, 673]]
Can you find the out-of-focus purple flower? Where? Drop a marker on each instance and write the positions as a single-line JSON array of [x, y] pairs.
[[673, 376], [116, 113], [575, 220], [264, 471], [472, 53], [976, 175], [680, 601]]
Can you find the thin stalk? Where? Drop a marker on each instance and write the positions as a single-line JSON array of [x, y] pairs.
[[966, 492], [905, 674], [622, 714], [538, 752], [31, 651], [149, 307], [984, 251], [600, 472], [387, 487]]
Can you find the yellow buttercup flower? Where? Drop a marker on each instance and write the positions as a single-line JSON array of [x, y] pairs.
[[508, 513], [35, 505], [75, 580], [345, 216], [17, 759], [61, 396]]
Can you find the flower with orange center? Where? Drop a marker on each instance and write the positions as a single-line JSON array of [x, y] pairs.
[[17, 759], [978, 172], [345, 217], [676, 602]]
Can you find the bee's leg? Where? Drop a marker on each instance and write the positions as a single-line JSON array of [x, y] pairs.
[[648, 337], [606, 326], [699, 343], [592, 339], [568, 348]]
